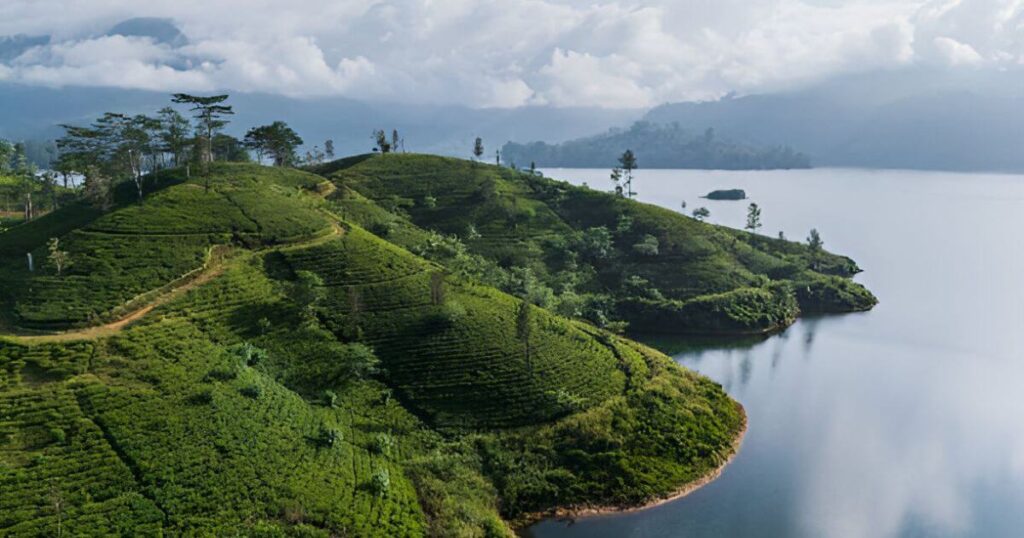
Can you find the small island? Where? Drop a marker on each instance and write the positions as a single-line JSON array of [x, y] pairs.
[[727, 194]]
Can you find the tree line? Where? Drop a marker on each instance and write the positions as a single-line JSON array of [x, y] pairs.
[[90, 159]]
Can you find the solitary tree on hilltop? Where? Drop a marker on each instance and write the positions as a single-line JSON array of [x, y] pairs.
[[628, 162], [277, 140], [329, 149], [815, 245], [753, 218], [701, 213], [381, 139], [209, 113], [478, 148]]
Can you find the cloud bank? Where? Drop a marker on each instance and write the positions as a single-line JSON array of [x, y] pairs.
[[505, 53]]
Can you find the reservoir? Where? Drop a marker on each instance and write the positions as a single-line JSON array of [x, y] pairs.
[[906, 421]]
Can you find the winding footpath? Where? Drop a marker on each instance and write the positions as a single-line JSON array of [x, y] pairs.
[[213, 268]]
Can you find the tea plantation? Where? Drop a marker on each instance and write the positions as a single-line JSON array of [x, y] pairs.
[[595, 255], [310, 378]]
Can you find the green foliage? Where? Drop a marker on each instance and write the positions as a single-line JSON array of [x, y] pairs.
[[572, 249], [229, 409]]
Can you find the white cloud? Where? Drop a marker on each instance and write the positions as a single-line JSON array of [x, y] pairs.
[[509, 52]]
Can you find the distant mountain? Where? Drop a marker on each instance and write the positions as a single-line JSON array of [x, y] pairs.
[[29, 112], [655, 146], [12, 46], [916, 119], [157, 29]]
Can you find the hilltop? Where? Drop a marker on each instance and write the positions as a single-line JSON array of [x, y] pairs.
[[238, 354], [589, 254]]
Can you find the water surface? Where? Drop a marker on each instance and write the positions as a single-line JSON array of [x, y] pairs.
[[904, 421]]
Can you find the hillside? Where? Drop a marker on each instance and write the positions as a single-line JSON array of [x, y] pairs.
[[242, 360], [589, 254], [656, 146]]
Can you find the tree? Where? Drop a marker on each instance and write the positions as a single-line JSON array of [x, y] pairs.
[[682, 205], [497, 157], [360, 362], [395, 140], [329, 149], [6, 155], [209, 114], [616, 178], [381, 139], [97, 188], [229, 148], [277, 140], [308, 292], [59, 259], [478, 148], [701, 213], [174, 135], [647, 246], [126, 141], [628, 162], [815, 245], [753, 218]]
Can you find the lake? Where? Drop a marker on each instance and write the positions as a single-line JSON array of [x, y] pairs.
[[905, 421]]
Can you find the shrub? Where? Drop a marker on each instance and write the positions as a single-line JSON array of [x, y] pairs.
[[57, 435], [330, 399], [380, 482], [383, 443], [647, 246], [328, 437], [251, 391], [249, 354]]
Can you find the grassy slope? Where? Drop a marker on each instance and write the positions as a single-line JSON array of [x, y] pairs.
[[165, 428], [122, 254], [704, 278]]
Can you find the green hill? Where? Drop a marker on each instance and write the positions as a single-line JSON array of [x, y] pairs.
[[243, 360], [591, 254]]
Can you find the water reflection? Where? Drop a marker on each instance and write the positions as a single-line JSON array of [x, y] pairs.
[[903, 422]]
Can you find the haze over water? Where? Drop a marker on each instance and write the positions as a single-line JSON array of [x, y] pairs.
[[904, 421]]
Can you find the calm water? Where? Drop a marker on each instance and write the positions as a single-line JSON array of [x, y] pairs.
[[904, 421]]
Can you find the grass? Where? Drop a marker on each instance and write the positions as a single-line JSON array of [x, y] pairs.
[[254, 403], [597, 245]]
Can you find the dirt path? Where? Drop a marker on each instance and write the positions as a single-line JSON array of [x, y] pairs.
[[214, 268]]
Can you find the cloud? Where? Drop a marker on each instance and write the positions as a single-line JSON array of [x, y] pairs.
[[506, 53]]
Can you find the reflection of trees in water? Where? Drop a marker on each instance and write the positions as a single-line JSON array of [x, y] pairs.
[[810, 326], [746, 365], [777, 355]]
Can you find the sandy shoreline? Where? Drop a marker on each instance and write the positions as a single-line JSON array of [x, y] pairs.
[[686, 489]]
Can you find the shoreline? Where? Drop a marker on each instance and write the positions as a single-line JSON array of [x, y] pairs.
[[572, 513]]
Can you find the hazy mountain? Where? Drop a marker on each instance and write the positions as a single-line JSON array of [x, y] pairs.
[[12, 46], [159, 30], [34, 112], [655, 146], [958, 120]]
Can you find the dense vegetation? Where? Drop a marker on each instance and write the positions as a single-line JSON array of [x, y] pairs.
[[656, 146], [320, 380], [588, 254]]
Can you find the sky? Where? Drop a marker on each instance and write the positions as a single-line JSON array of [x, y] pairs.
[[506, 53]]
